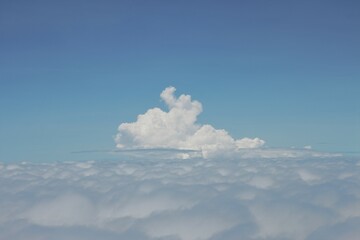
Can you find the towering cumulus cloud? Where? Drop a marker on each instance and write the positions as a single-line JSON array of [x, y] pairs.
[[178, 129]]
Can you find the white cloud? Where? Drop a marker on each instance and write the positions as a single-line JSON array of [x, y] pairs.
[[226, 189], [177, 128]]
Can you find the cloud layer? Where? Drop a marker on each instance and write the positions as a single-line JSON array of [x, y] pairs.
[[196, 199], [178, 129]]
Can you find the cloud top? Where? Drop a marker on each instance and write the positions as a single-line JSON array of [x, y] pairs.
[[177, 128], [197, 199]]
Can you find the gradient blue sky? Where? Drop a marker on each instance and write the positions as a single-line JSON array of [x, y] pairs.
[[72, 71]]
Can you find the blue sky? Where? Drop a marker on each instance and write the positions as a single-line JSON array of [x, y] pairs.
[[72, 71]]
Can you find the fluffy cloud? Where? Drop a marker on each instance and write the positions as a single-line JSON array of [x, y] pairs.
[[203, 199], [256, 193], [178, 129]]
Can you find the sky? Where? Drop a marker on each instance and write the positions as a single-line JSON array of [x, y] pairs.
[[71, 72], [179, 120]]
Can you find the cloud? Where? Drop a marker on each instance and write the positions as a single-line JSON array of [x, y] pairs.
[[226, 189], [68, 209], [203, 199], [177, 128]]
